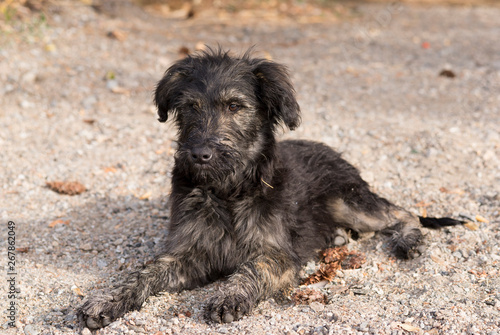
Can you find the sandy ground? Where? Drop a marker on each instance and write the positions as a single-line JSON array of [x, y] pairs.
[[76, 104]]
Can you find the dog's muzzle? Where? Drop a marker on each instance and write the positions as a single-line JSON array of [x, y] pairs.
[[201, 154]]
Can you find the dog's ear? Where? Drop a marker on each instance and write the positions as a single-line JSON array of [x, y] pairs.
[[169, 89], [276, 93]]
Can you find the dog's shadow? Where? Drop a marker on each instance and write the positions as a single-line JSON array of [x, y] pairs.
[[89, 249], [97, 243]]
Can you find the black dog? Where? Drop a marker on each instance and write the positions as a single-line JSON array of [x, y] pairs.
[[244, 206]]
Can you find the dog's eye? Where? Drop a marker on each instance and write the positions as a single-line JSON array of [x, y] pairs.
[[233, 108]]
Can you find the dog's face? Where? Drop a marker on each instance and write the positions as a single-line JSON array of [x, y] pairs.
[[226, 110]]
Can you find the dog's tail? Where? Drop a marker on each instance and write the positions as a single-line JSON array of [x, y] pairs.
[[438, 223]]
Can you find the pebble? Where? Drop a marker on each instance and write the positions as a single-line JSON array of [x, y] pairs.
[[86, 247], [321, 330], [118, 241], [89, 102], [26, 104], [317, 307], [29, 77], [31, 330], [111, 85], [364, 327]]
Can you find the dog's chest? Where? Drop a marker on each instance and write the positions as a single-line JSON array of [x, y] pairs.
[[246, 222]]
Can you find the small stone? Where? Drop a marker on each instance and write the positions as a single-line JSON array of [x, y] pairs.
[[29, 77], [25, 104], [321, 330], [364, 327], [317, 307], [89, 102], [223, 330], [359, 291], [102, 263], [31, 330], [112, 84], [86, 247], [118, 241], [421, 248], [339, 240], [86, 331]]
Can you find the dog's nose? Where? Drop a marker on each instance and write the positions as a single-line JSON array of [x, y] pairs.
[[201, 154]]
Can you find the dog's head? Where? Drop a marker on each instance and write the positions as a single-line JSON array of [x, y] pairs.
[[226, 109]]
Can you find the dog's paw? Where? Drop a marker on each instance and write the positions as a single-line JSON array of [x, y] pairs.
[[225, 308], [100, 310]]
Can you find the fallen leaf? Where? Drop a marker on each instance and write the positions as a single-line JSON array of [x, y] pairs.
[[110, 169], [482, 219], [200, 46], [66, 187], [447, 74], [478, 274], [120, 90], [424, 204], [423, 211], [409, 328], [183, 52], [110, 75], [58, 221], [118, 35], [23, 249], [308, 295], [471, 225], [89, 121], [145, 196], [454, 191], [77, 291], [51, 47], [334, 259], [353, 260], [438, 260]]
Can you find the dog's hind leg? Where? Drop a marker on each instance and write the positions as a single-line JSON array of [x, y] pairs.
[[254, 281], [371, 213]]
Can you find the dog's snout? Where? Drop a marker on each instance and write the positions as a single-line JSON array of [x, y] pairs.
[[201, 154]]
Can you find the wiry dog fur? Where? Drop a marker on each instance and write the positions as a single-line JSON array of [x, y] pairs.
[[244, 206]]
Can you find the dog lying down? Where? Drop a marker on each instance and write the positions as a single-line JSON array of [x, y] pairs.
[[244, 206]]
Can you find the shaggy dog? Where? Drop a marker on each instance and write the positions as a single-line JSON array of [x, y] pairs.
[[244, 206]]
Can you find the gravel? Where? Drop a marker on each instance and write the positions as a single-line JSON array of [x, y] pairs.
[[77, 106]]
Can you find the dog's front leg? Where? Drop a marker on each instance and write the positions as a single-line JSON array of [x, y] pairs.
[[254, 281], [164, 274]]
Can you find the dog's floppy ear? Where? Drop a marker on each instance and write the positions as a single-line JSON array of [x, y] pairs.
[[276, 93], [169, 89]]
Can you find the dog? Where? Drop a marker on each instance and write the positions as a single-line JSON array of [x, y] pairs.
[[244, 206]]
